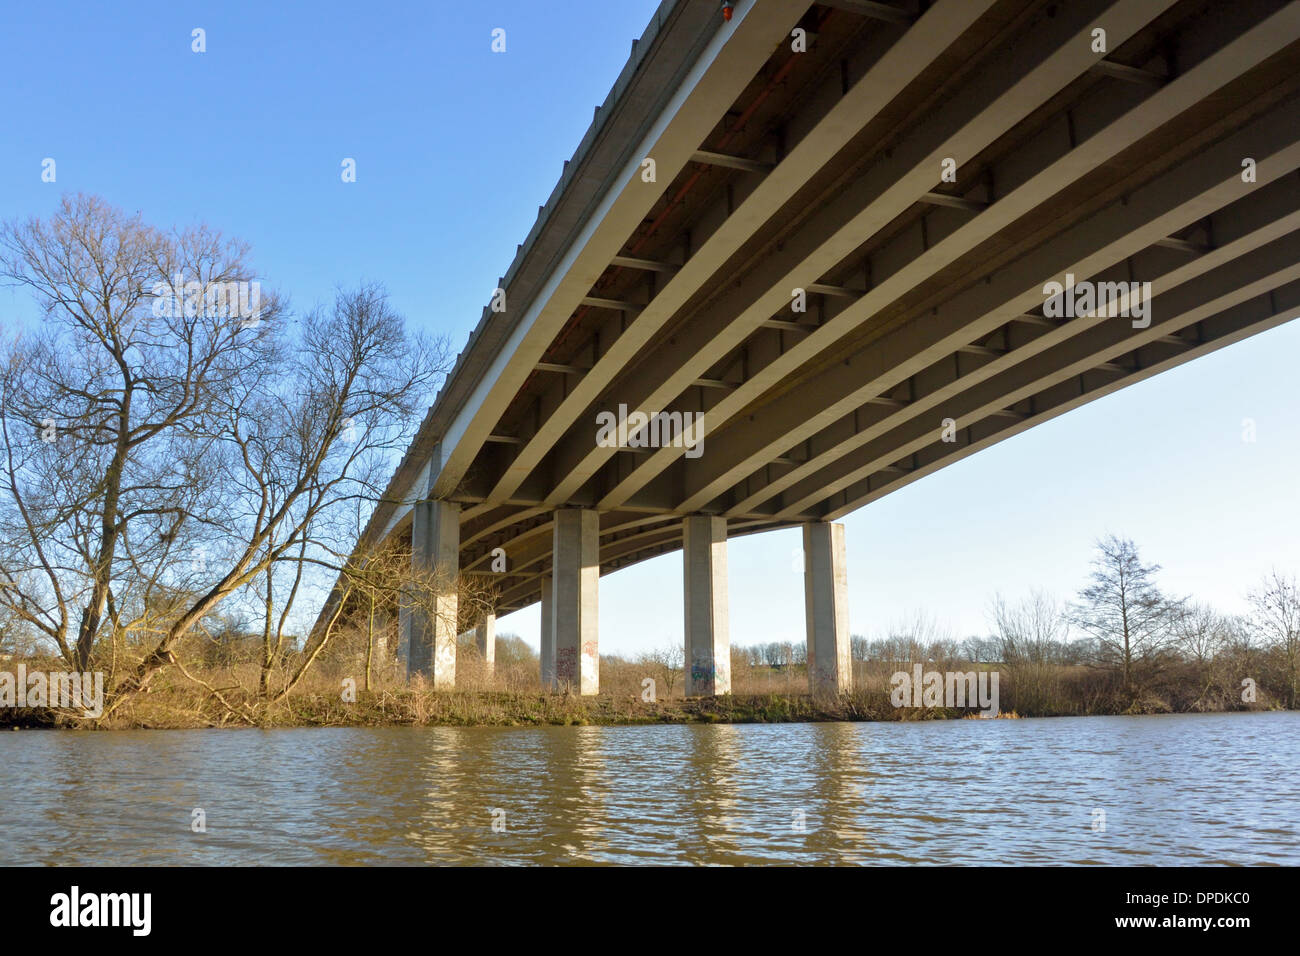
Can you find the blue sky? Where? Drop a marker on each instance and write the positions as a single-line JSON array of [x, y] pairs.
[[457, 146]]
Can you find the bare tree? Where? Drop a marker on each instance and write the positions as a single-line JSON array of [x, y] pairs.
[[1201, 632], [162, 452], [1276, 619], [104, 408], [667, 663], [982, 650], [1124, 611], [301, 449], [17, 637], [1033, 631], [919, 637], [1032, 635]]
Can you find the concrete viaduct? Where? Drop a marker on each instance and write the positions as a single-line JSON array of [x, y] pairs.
[[823, 236]]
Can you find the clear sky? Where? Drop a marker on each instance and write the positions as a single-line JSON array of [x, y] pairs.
[[456, 147]]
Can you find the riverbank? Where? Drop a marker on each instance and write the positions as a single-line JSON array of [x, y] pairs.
[[403, 707], [333, 695], [484, 708]]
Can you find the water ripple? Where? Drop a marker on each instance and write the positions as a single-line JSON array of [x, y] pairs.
[[1200, 789]]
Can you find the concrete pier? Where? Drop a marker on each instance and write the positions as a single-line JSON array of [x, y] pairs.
[[575, 568], [430, 621], [708, 641], [485, 638], [548, 634], [826, 608]]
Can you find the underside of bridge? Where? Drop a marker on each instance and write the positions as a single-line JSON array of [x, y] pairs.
[[824, 236]]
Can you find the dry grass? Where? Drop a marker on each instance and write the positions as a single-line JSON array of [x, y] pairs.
[[225, 696]]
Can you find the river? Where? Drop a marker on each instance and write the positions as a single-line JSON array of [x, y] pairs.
[[1198, 789]]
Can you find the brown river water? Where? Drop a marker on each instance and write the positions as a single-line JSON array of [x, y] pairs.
[[1195, 789]]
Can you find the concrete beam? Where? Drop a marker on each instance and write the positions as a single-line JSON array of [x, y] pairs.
[[1030, 71], [1234, 58], [477, 528], [433, 602], [954, 202], [826, 608], [617, 541], [1129, 74], [561, 368], [615, 305], [1107, 351], [645, 265], [1181, 297], [708, 640], [1241, 322], [787, 326], [874, 10], [888, 78], [715, 80], [575, 567], [731, 162], [1183, 195]]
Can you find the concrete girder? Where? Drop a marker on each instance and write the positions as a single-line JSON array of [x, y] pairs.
[[522, 592], [822, 476], [472, 536], [1233, 59], [874, 10], [520, 550], [1249, 213], [529, 555], [645, 265], [1035, 66], [896, 68], [1110, 342], [1250, 318], [717, 78]]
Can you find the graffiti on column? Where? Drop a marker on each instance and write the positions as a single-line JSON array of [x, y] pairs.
[[702, 671]]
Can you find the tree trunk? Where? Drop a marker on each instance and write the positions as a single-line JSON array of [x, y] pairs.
[[370, 639]]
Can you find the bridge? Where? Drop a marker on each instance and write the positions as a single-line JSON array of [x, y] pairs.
[[812, 252]]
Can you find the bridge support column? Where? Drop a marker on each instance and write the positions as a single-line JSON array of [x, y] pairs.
[[826, 609], [430, 621], [548, 634], [404, 634], [485, 637], [708, 642], [575, 571]]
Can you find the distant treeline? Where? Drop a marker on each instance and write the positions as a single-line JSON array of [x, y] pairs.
[[1122, 645]]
